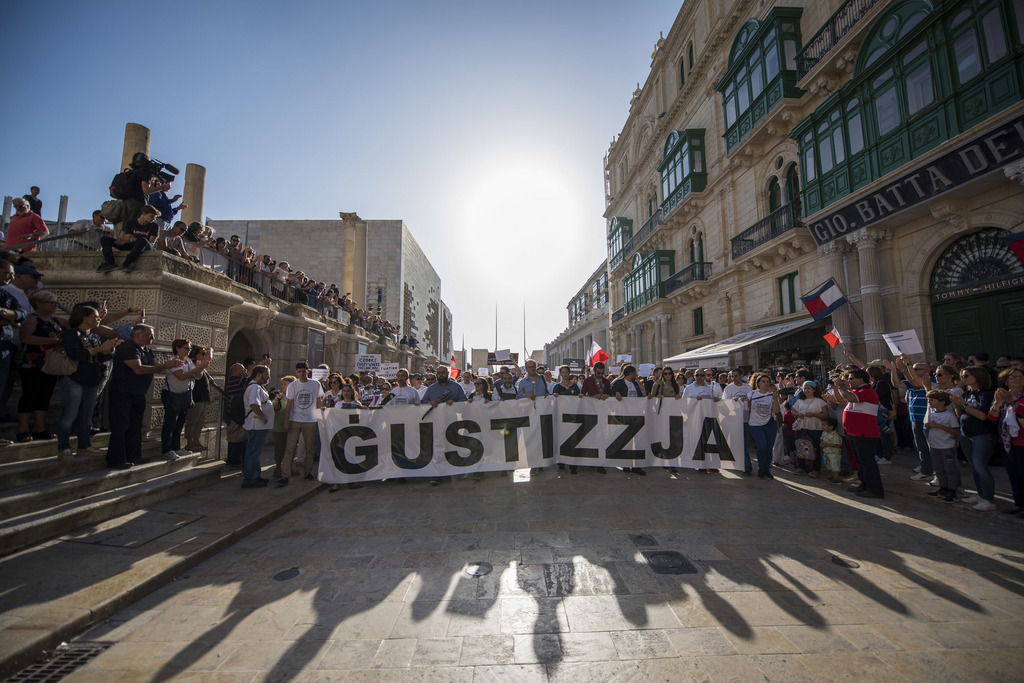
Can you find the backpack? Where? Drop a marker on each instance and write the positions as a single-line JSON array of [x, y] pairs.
[[236, 406], [111, 210], [121, 185]]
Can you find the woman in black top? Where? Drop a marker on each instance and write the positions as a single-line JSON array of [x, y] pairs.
[[566, 385], [479, 390], [40, 331], [978, 434], [79, 389], [196, 417]]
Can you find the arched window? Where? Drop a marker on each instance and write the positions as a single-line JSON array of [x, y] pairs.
[[974, 260], [697, 249], [774, 195], [792, 185], [689, 52], [682, 73], [682, 167]]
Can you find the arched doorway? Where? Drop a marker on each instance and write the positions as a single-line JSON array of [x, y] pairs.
[[977, 292], [245, 344]]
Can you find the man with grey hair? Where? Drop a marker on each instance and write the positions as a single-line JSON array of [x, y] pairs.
[[130, 380], [25, 227]]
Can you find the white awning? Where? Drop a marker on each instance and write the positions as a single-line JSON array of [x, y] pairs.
[[717, 353]]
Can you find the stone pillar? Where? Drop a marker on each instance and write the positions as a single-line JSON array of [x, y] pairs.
[[871, 291], [194, 194], [835, 255], [136, 139], [348, 254], [665, 343]]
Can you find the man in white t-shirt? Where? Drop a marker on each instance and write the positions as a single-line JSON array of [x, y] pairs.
[[738, 390], [467, 383], [305, 396], [259, 419], [704, 386], [404, 395]]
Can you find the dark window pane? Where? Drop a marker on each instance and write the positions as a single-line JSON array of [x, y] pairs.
[[919, 88], [887, 111], [995, 42], [968, 61], [856, 134]]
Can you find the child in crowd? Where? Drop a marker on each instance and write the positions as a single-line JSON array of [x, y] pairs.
[[790, 435], [832, 448], [943, 430]]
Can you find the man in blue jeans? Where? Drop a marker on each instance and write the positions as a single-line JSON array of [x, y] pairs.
[[259, 419], [918, 382]]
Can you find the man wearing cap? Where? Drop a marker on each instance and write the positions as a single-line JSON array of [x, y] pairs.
[[443, 390], [416, 381]]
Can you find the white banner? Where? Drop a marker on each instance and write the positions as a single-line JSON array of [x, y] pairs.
[[415, 441], [367, 362]]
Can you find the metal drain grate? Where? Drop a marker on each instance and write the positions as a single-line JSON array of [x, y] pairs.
[[61, 662], [668, 562], [287, 574]]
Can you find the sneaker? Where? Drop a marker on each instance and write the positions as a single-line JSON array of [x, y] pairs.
[[127, 268], [883, 461], [65, 456], [934, 481], [970, 500], [938, 492], [171, 456], [950, 497], [916, 470], [920, 477], [984, 506], [89, 450], [106, 267], [283, 481], [183, 452]]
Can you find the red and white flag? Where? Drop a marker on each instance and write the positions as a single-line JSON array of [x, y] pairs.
[[455, 372], [833, 338], [596, 355]]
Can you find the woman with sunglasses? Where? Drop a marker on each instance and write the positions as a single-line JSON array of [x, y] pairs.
[[666, 386], [333, 395], [977, 431], [480, 391], [1007, 412]]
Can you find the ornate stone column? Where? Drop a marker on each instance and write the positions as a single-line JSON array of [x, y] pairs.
[[136, 139], [195, 192], [348, 254], [870, 288], [665, 352]]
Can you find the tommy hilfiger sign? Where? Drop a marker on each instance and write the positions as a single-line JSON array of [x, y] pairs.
[[980, 156]]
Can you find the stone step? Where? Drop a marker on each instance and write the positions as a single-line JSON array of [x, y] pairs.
[[47, 466], [52, 491], [41, 449], [31, 528]]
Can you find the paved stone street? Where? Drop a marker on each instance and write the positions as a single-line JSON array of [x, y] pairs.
[[381, 592]]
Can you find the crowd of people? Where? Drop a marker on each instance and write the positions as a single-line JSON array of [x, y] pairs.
[[146, 220], [842, 427]]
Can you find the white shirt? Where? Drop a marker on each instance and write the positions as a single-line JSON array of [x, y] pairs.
[[740, 393], [404, 396], [422, 390], [468, 388], [760, 408], [180, 386], [302, 398], [712, 390], [254, 393]]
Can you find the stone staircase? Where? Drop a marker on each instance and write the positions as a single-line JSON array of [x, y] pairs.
[[41, 498]]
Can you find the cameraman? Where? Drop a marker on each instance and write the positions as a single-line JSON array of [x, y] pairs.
[[138, 236], [141, 182]]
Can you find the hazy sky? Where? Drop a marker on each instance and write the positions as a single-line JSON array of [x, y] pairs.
[[481, 124]]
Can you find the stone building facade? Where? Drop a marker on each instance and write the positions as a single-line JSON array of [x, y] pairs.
[[378, 261], [775, 145], [588, 321]]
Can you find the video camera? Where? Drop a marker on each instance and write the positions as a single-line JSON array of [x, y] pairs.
[[155, 168]]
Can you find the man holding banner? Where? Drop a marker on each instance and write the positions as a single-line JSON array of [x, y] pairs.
[[446, 391]]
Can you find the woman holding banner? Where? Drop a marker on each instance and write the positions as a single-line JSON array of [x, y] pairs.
[[764, 406], [666, 385]]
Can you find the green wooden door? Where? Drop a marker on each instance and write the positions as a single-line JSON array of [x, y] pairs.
[[992, 323]]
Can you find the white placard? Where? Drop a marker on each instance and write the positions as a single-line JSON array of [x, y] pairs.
[[318, 374], [483, 372], [367, 362], [503, 356], [644, 369], [903, 342], [624, 358], [388, 370]]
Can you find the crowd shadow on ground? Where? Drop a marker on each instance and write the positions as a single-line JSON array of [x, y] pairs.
[[556, 540]]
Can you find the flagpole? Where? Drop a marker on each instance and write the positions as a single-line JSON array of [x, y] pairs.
[[463, 353], [525, 350]]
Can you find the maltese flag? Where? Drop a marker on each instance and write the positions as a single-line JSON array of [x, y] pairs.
[[455, 372], [821, 302], [833, 338], [596, 355]]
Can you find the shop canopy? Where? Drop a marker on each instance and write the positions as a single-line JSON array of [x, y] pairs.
[[717, 353]]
